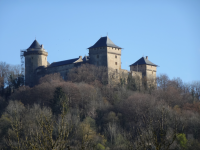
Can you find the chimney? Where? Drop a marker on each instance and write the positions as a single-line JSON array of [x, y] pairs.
[[80, 57], [146, 57], [42, 46]]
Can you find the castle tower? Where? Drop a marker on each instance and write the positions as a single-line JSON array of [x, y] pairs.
[[105, 53], [147, 68], [35, 56]]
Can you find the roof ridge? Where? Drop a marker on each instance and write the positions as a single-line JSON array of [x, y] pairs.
[[66, 60], [104, 42], [143, 61]]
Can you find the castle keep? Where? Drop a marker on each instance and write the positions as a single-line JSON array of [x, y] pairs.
[[103, 53]]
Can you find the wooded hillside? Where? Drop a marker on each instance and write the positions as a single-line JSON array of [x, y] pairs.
[[86, 113]]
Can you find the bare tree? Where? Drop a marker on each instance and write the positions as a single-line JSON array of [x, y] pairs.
[[4, 73], [40, 131], [51, 78], [88, 73], [151, 123], [4, 69], [162, 81], [112, 131]]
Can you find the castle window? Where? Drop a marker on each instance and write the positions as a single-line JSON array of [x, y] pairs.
[[116, 71], [115, 63], [97, 56], [115, 56]]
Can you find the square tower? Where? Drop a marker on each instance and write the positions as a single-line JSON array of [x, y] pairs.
[[105, 53], [147, 68]]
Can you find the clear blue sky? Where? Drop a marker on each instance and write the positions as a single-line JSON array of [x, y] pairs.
[[168, 31]]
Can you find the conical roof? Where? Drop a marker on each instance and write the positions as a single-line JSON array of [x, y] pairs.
[[143, 61], [104, 42], [35, 45]]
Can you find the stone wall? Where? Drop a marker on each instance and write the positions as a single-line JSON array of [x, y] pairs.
[[136, 74], [114, 58], [114, 64], [33, 59], [109, 57], [148, 71], [151, 71], [63, 70], [98, 56]]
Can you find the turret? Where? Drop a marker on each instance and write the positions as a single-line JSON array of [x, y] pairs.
[[35, 56]]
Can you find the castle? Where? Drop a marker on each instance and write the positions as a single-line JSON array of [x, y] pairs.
[[103, 53]]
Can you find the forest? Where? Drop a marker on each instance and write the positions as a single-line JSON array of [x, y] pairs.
[[87, 113]]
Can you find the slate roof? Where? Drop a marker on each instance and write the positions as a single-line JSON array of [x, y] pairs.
[[40, 67], [104, 42], [60, 63], [86, 58], [35, 45], [143, 61]]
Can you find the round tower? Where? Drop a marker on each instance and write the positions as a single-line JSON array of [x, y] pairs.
[[35, 56]]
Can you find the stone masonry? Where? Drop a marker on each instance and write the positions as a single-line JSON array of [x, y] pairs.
[[103, 53]]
